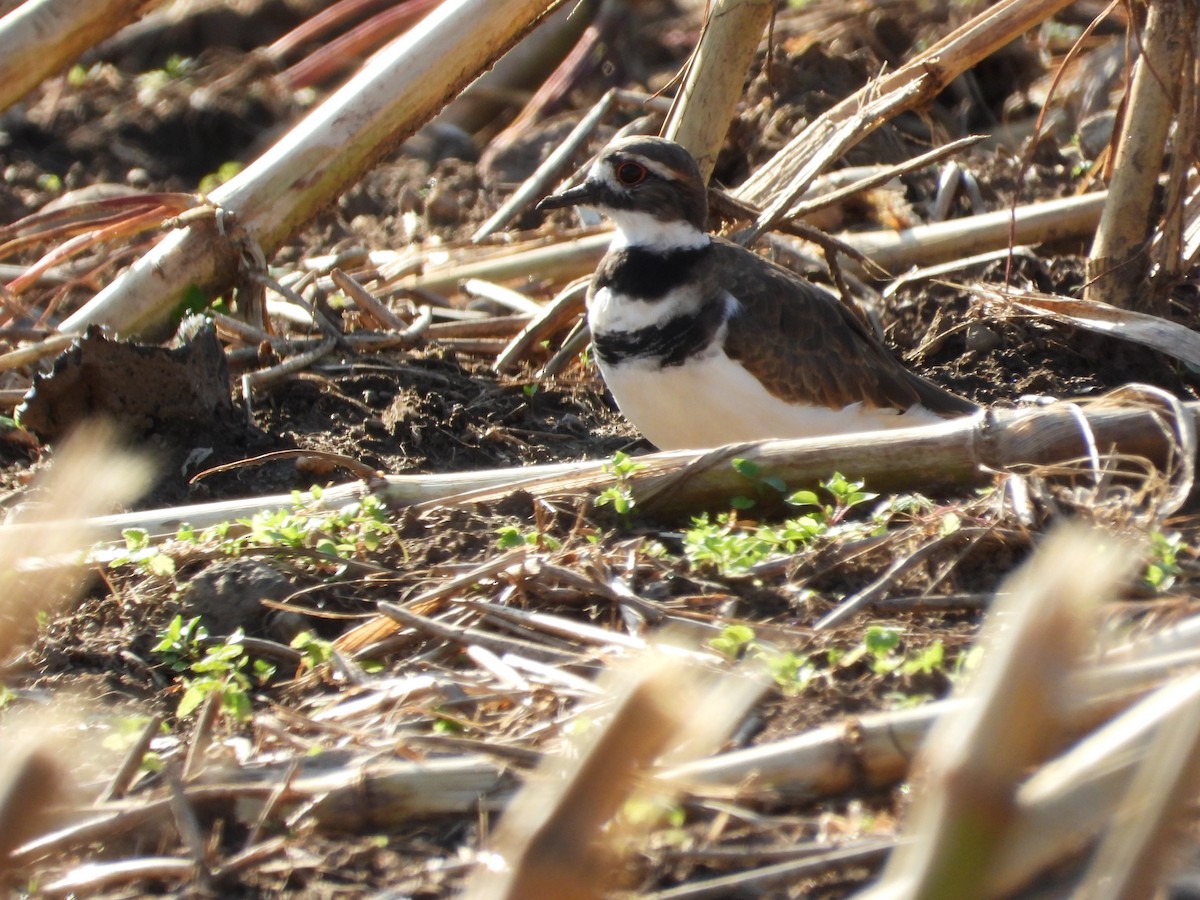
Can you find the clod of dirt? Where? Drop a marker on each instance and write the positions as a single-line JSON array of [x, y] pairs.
[[173, 395], [228, 595]]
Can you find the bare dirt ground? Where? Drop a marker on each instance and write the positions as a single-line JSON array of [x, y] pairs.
[[131, 117]]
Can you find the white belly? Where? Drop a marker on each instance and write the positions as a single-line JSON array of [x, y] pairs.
[[712, 401]]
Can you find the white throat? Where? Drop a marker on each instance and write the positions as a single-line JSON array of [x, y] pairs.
[[639, 229]]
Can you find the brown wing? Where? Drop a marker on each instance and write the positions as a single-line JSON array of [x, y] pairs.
[[805, 346]]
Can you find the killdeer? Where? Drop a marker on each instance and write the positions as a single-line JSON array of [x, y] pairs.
[[703, 342]]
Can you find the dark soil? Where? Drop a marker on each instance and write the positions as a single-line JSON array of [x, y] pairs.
[[441, 409]]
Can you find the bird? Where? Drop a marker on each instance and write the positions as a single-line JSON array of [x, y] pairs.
[[703, 342]]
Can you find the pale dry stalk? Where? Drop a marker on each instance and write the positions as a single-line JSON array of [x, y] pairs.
[[918, 81], [1015, 710], [1118, 264], [1074, 797], [960, 453], [1138, 846], [87, 477], [1033, 223], [41, 37], [562, 835], [398, 89], [577, 257], [716, 75]]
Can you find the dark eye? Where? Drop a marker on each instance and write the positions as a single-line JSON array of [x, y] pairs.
[[630, 173]]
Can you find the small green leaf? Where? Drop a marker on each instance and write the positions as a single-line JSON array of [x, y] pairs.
[[161, 565], [746, 468], [136, 539], [927, 661], [880, 640], [732, 640], [804, 498], [951, 523]]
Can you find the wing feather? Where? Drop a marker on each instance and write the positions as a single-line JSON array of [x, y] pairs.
[[806, 347]]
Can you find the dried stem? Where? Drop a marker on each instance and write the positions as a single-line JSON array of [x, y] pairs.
[[1118, 263]]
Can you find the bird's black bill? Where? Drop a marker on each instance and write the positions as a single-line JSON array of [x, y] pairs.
[[575, 196]]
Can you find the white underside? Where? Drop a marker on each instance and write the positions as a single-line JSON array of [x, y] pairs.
[[711, 401]]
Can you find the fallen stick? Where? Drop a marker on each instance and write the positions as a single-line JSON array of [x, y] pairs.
[[396, 90], [919, 80], [961, 453], [41, 37], [1034, 223]]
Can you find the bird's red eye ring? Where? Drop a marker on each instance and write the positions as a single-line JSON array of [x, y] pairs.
[[630, 173]]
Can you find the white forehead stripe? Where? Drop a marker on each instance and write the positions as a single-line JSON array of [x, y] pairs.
[[602, 170], [662, 171]]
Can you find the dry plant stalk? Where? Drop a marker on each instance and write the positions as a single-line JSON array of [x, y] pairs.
[[1071, 799], [561, 836], [561, 260], [716, 75], [917, 82], [578, 257], [1154, 332], [873, 750], [40, 37], [1014, 710], [530, 66], [337, 55], [960, 453], [33, 774], [876, 749], [60, 529], [398, 89], [1118, 263], [1137, 846], [31, 779], [1034, 223]]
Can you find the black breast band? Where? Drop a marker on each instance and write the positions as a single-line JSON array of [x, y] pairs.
[[648, 274]]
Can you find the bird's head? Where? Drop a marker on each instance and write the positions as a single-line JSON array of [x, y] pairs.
[[650, 187]]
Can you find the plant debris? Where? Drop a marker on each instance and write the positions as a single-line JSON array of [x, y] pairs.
[[409, 610]]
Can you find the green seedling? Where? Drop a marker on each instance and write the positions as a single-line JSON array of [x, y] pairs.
[[846, 495], [223, 669], [725, 545], [316, 650], [620, 495], [733, 640], [225, 172], [140, 552], [880, 650], [181, 643], [346, 533], [790, 671], [764, 485], [510, 537], [733, 548], [1163, 568], [50, 182]]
